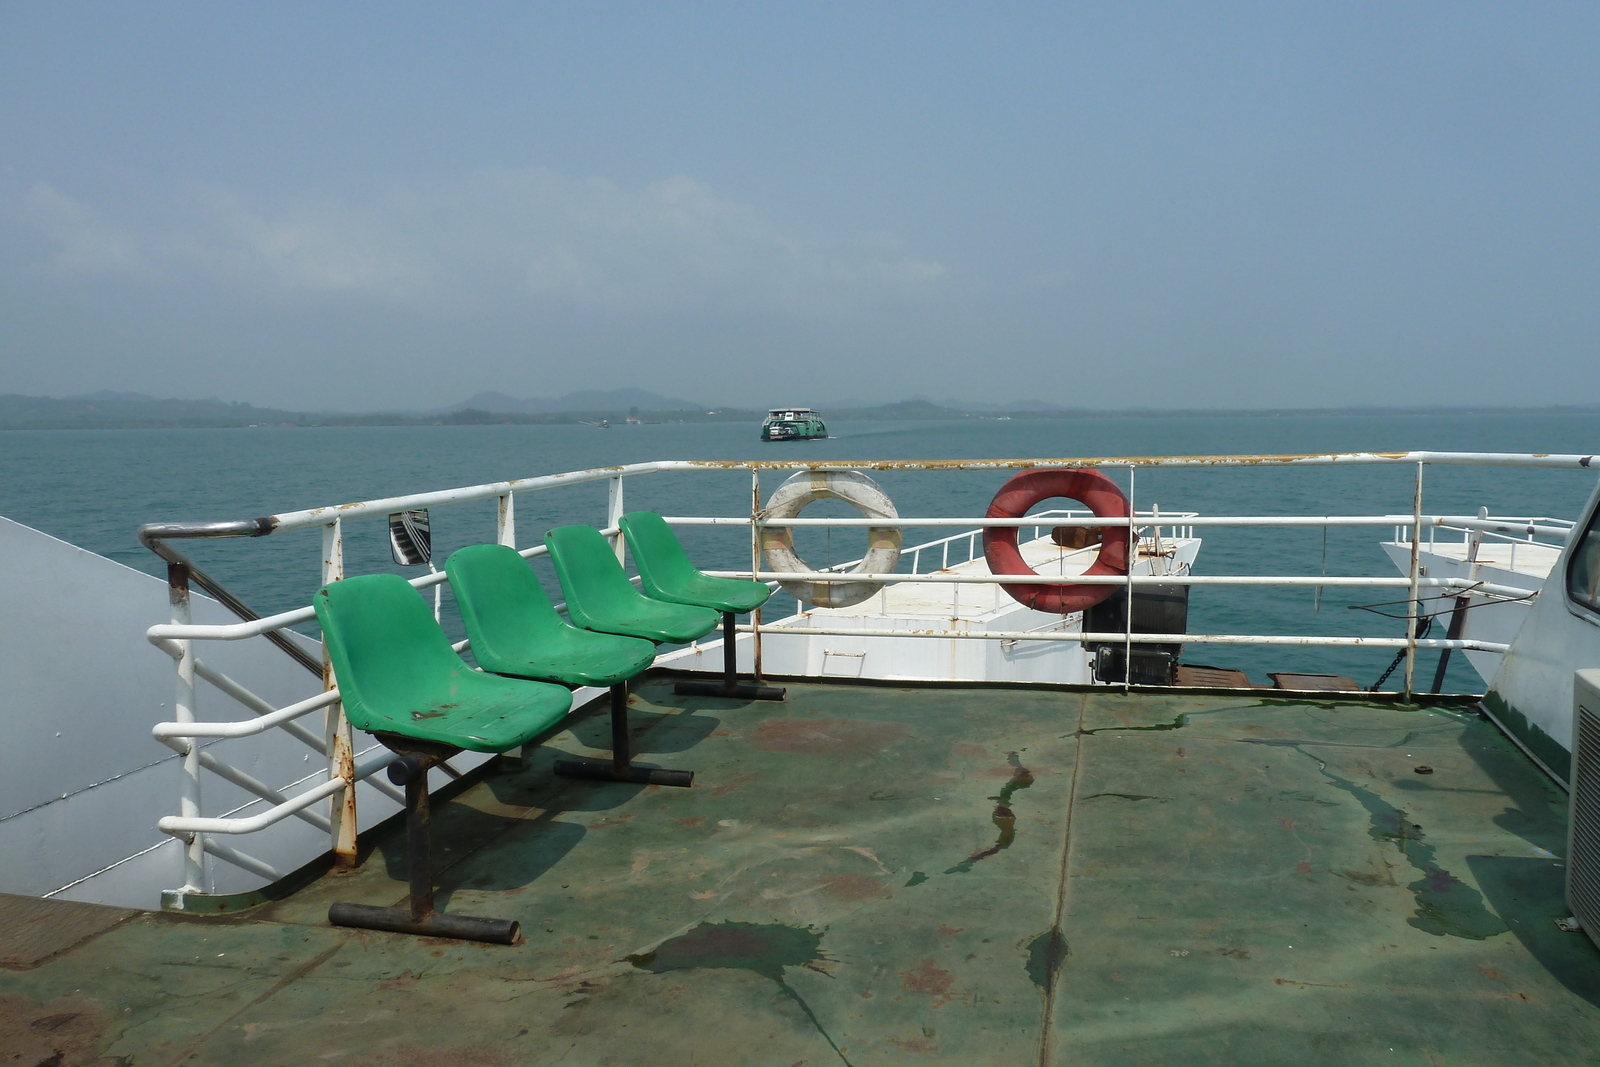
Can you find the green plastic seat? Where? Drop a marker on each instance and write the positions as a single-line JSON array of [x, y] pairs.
[[397, 673], [600, 597], [515, 630], [668, 575], [400, 680]]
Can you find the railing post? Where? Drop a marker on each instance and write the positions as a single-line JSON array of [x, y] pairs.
[[183, 707], [1416, 564], [755, 565], [614, 511], [1133, 556], [505, 531], [341, 752], [1158, 561]]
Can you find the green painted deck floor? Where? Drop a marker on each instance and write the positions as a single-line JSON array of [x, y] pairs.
[[873, 876]]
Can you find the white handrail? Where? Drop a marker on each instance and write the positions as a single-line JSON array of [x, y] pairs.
[[1141, 638], [180, 826], [177, 824], [300, 520], [239, 631], [1463, 584], [310, 517], [1454, 522], [248, 727], [244, 696], [233, 631]]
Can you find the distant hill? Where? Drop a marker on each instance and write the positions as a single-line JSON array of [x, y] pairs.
[[111, 394], [1014, 405], [950, 404], [132, 411], [586, 400], [904, 409]]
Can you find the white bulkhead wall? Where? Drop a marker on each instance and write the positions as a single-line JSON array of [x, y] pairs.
[[1530, 695], [82, 781]]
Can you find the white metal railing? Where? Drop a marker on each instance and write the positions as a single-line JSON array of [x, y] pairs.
[[336, 783], [1306, 581]]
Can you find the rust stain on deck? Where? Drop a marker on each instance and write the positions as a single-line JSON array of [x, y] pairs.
[[425, 1056], [69, 1030], [736, 782], [852, 887], [915, 1044], [926, 977], [827, 737]]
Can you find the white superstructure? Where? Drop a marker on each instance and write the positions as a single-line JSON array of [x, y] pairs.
[[967, 610]]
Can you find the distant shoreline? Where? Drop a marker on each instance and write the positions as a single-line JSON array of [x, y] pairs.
[[35, 413]]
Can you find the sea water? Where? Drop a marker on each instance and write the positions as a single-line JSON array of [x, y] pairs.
[[95, 487]]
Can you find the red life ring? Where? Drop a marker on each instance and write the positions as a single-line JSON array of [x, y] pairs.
[[1089, 487]]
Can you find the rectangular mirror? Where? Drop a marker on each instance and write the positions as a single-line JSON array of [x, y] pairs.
[[410, 543]]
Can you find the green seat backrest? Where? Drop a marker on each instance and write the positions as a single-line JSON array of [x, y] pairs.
[[663, 565], [667, 574], [387, 650], [504, 608], [596, 586]]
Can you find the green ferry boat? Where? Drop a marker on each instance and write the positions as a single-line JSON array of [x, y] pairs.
[[793, 424]]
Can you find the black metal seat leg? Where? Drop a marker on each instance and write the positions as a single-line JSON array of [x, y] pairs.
[[730, 686], [419, 917], [621, 768]]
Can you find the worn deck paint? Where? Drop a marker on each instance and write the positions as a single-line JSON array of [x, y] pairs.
[[869, 875]]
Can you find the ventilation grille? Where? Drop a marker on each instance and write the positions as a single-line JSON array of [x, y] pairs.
[[1583, 859]]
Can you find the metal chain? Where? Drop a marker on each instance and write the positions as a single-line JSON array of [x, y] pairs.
[[1399, 657]]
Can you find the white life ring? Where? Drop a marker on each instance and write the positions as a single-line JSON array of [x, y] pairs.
[[854, 488]]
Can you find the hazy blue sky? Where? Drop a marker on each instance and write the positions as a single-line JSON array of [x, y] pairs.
[[397, 205]]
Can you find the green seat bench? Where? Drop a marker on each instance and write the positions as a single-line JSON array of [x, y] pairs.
[[400, 680], [516, 631], [601, 598], [667, 574]]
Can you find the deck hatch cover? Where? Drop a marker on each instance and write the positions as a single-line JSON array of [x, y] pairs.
[[1583, 859]]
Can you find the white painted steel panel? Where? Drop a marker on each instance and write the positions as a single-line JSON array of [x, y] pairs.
[[1531, 694], [82, 782]]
